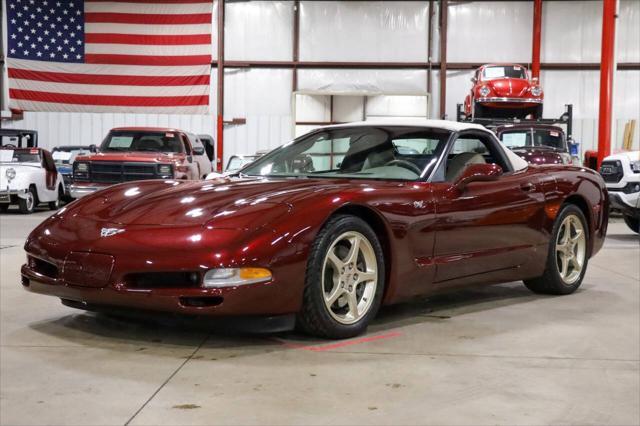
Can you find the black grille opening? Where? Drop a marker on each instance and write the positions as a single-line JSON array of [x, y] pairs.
[[103, 172], [154, 280], [201, 301], [43, 267]]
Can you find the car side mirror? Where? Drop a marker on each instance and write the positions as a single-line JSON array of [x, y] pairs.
[[93, 148], [474, 80], [477, 173], [198, 150]]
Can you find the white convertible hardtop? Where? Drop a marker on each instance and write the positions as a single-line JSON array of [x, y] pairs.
[[453, 126]]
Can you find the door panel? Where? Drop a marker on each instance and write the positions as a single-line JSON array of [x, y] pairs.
[[490, 226]]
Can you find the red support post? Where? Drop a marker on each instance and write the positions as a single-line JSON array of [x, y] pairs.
[[220, 89], [537, 37], [607, 70]]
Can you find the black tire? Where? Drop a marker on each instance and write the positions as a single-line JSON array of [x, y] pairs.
[[4, 207], [55, 205], [633, 223], [479, 111], [29, 205], [551, 282], [314, 318]]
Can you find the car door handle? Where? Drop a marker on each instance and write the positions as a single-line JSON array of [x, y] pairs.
[[527, 187]]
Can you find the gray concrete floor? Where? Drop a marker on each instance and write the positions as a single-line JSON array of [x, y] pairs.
[[493, 355]]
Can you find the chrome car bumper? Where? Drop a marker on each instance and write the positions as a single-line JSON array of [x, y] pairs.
[[5, 194], [78, 191], [510, 100]]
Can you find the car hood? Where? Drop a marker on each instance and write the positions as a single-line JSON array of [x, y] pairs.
[[539, 155], [223, 203], [626, 155], [144, 157], [25, 174], [509, 87]]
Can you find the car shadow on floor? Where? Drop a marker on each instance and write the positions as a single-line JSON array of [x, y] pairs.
[[623, 238], [124, 332]]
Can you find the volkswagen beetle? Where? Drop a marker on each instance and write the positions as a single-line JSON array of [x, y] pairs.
[[504, 91]]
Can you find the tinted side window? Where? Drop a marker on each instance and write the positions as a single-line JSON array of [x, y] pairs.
[[471, 149]]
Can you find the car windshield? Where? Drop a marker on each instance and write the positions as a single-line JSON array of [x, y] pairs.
[[20, 156], [142, 141], [396, 153], [541, 138], [506, 71]]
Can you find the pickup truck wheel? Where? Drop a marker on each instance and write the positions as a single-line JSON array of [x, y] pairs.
[[28, 205], [633, 223], [568, 254], [4, 207], [55, 205]]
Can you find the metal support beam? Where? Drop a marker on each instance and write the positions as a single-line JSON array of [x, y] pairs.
[[607, 70], [296, 43], [444, 11], [537, 37], [220, 89], [430, 54]]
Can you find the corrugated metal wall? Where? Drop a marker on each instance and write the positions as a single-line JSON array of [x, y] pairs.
[[386, 31]]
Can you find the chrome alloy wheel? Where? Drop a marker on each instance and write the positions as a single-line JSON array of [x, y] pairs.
[[349, 277], [571, 249]]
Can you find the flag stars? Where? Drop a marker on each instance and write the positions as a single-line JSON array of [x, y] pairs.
[[46, 30]]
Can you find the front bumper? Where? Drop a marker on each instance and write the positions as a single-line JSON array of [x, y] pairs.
[[628, 204], [503, 100], [251, 299], [80, 190], [6, 194]]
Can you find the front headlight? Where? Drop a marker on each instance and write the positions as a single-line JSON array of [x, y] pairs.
[[165, 170], [82, 167], [484, 91], [635, 166], [231, 277], [536, 90], [11, 174]]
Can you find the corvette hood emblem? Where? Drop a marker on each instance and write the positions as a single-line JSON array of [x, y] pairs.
[[109, 232]]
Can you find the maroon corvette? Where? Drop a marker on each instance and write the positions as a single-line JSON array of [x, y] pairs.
[[327, 228]]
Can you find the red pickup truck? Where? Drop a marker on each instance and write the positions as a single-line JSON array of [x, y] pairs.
[[138, 153]]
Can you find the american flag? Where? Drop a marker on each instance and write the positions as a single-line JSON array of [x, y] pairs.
[[144, 56]]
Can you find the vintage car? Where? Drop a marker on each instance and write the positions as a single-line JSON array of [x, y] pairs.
[[323, 230], [64, 156], [536, 143], [140, 153], [504, 91], [28, 176], [621, 173]]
